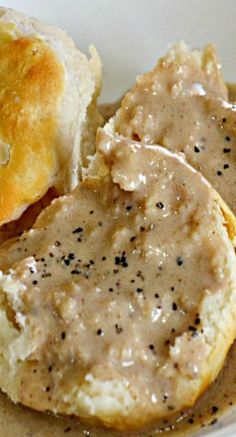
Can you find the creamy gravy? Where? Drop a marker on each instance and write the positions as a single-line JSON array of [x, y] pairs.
[[16, 420], [19, 421], [184, 107], [105, 239]]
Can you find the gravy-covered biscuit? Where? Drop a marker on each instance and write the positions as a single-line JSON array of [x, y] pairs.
[[182, 104], [119, 305], [46, 87]]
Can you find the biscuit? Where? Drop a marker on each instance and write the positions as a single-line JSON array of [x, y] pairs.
[[182, 104], [119, 305], [47, 86], [16, 228]]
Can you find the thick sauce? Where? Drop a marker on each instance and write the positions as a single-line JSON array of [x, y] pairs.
[[19, 421], [115, 275], [16, 420], [183, 105]]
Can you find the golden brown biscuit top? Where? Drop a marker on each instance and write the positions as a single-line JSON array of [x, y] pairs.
[[31, 80]]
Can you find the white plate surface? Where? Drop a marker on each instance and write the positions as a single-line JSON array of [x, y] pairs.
[[130, 35]]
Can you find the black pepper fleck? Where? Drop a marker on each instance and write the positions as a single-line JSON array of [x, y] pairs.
[[192, 328], [159, 205], [174, 306], [121, 261], [63, 335], [179, 261], [46, 275], [77, 230], [118, 329], [99, 331], [226, 150], [139, 274], [219, 173], [75, 272], [196, 149], [227, 138]]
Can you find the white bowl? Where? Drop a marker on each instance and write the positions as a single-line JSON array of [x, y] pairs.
[[130, 35]]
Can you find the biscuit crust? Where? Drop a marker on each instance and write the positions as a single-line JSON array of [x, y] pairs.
[[47, 86]]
